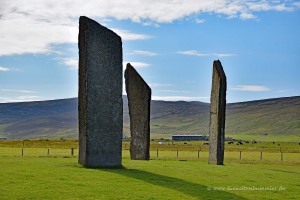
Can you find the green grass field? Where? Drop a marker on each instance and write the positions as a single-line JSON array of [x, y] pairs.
[[58, 176]]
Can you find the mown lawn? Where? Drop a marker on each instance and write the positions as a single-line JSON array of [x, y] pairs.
[[58, 176]]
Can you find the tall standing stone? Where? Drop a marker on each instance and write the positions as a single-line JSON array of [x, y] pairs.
[[100, 95], [217, 115], [139, 100]]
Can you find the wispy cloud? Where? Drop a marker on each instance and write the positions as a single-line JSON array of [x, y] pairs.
[[4, 69], [223, 54], [200, 21], [251, 88], [180, 98], [150, 23], [24, 98], [246, 16], [128, 35], [29, 98], [18, 91], [143, 53], [137, 64], [72, 63], [196, 53], [193, 53]]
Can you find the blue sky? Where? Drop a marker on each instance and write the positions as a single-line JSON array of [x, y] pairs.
[[171, 43]]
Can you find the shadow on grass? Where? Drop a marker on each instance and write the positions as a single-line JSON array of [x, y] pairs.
[[188, 188]]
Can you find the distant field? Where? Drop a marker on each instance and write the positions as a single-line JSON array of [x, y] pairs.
[[58, 176]]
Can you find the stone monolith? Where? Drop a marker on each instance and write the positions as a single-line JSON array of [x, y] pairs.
[[100, 106], [139, 100], [217, 115]]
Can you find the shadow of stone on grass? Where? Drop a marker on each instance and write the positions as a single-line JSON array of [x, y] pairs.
[[188, 188]]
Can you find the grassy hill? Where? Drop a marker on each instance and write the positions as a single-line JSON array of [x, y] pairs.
[[276, 118]]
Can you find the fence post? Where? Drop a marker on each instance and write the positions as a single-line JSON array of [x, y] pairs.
[[156, 152], [48, 153], [281, 156], [72, 151], [177, 153], [22, 152], [198, 153], [260, 155], [240, 155]]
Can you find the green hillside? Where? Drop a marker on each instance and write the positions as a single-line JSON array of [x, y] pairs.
[[271, 118]]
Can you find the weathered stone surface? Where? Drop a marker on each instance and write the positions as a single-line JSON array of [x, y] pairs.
[[217, 115], [139, 99], [100, 95]]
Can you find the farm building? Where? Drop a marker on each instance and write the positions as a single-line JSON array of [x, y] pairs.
[[189, 137]]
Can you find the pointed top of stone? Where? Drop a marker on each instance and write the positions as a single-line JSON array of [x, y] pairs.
[[85, 21], [130, 68], [218, 67]]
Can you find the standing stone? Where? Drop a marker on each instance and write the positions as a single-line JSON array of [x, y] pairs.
[[100, 95], [139, 99], [217, 115]]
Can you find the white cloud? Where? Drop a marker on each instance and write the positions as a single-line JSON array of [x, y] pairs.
[[18, 95], [223, 54], [71, 62], [196, 53], [29, 98], [179, 98], [193, 53], [247, 16], [275, 6], [143, 53], [251, 88], [127, 35], [200, 21], [34, 27], [17, 91], [21, 99], [160, 84], [4, 69], [136, 64], [149, 23]]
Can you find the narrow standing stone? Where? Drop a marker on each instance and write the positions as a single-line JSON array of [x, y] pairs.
[[100, 107], [217, 115], [139, 99]]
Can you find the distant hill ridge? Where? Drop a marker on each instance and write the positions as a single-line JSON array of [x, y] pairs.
[[58, 118]]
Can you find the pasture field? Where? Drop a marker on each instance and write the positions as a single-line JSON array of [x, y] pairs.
[[37, 175]]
